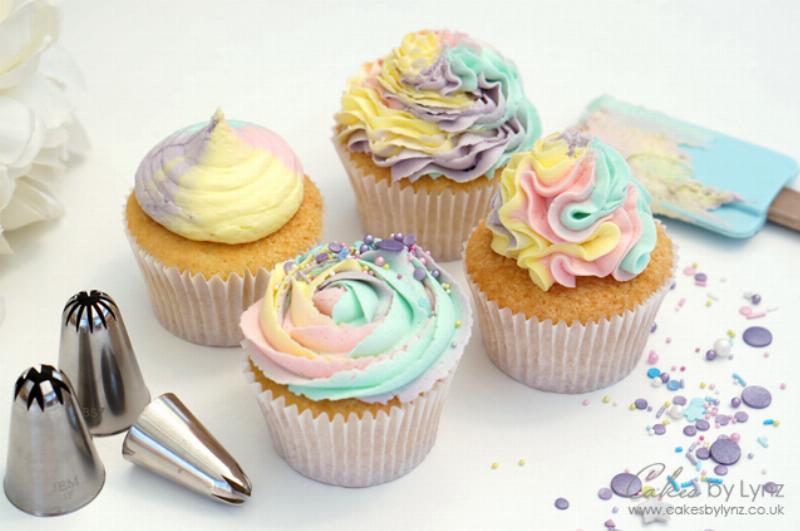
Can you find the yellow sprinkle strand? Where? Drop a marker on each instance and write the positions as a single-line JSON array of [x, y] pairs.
[[495, 466], [521, 462]]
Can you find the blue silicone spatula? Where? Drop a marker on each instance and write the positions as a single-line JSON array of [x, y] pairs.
[[698, 175]]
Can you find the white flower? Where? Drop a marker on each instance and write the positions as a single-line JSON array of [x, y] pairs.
[[27, 28], [38, 129]]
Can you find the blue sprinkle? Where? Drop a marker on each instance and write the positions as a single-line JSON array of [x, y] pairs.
[[653, 372], [674, 483], [673, 385], [713, 481], [679, 449]]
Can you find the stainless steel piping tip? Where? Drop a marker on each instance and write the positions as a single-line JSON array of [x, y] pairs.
[[169, 440], [52, 466], [97, 355]]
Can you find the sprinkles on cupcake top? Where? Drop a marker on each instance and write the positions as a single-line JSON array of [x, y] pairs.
[[372, 320]]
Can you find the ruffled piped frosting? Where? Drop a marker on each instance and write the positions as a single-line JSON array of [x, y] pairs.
[[571, 208], [373, 320], [221, 181], [442, 104]]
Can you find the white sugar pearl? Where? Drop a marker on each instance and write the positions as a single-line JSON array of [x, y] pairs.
[[722, 347], [675, 412]]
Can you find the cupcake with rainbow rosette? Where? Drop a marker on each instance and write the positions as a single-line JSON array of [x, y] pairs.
[[351, 353], [215, 206], [570, 268], [424, 132]]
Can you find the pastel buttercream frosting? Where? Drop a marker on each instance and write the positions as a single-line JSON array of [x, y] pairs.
[[441, 104], [373, 320], [222, 181], [570, 208]]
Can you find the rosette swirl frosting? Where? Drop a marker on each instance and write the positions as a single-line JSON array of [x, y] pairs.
[[442, 104], [570, 208], [222, 181], [372, 321]]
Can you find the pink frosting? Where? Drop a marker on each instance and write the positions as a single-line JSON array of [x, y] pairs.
[[542, 209], [261, 138]]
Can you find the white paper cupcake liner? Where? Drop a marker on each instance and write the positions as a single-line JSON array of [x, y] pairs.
[[353, 452], [441, 221], [563, 358], [200, 310]]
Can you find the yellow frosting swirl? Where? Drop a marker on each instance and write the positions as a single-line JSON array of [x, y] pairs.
[[225, 181]]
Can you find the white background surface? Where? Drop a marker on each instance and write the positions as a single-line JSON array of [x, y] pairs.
[[152, 67]]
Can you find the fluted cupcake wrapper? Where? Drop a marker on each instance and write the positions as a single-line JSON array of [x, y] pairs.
[[562, 358], [200, 310], [441, 221], [353, 451]]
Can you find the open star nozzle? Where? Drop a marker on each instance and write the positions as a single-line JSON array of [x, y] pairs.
[[169, 440], [97, 355], [52, 466]]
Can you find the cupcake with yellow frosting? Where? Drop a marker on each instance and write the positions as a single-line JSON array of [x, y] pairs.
[[351, 353], [215, 206], [424, 131], [570, 267]]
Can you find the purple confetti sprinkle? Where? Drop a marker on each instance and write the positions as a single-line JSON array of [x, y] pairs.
[[756, 397], [725, 451], [562, 504], [626, 485], [392, 246], [757, 336]]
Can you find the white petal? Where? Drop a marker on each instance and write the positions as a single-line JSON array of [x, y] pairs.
[[53, 157], [32, 201], [24, 35], [78, 138], [45, 98], [21, 133], [57, 65], [6, 187], [4, 247]]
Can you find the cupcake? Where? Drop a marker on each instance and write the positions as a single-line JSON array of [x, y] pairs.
[[351, 354], [423, 131], [215, 206], [570, 268]]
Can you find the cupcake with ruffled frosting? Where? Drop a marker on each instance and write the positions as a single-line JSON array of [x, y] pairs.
[[424, 131], [215, 206], [353, 348], [570, 268]]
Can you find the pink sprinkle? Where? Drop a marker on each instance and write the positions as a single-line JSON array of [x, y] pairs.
[[681, 302], [683, 368], [766, 354], [735, 437], [652, 357], [689, 271], [668, 340], [783, 386], [696, 350], [585, 402]]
